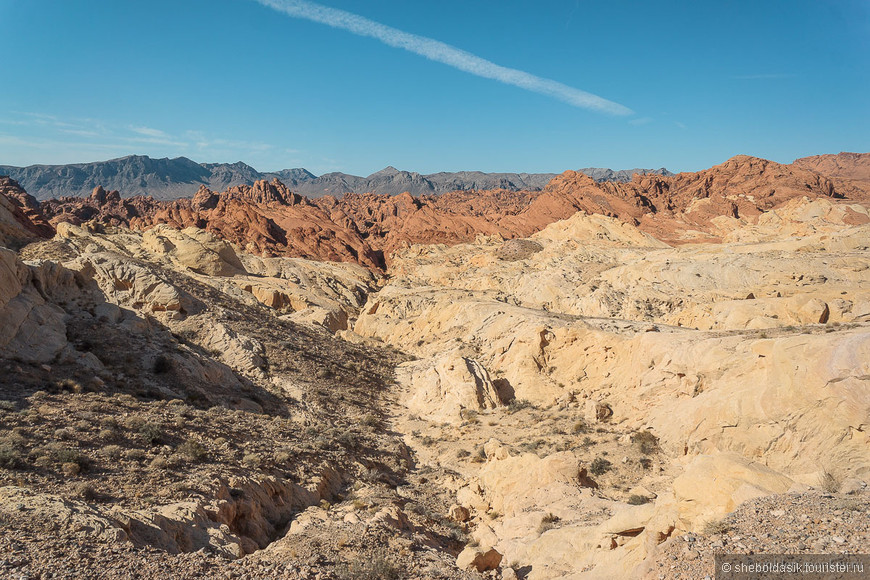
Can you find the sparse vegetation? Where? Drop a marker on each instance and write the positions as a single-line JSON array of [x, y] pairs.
[[519, 404], [548, 522], [375, 569], [193, 450], [828, 483], [645, 442], [151, 433], [10, 455], [716, 527], [600, 466], [635, 499]]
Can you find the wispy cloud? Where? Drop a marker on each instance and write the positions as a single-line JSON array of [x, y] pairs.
[[641, 121], [444, 53], [764, 76], [148, 132], [26, 137]]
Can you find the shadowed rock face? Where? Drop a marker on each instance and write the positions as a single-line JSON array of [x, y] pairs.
[[21, 220]]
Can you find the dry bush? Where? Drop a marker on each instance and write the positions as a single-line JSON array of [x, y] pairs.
[[548, 522], [716, 527], [828, 483]]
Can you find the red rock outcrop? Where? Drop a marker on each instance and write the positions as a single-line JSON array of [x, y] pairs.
[[21, 219], [266, 218], [848, 170]]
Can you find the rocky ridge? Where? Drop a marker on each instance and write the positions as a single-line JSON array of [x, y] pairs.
[[269, 219], [168, 179], [851, 170]]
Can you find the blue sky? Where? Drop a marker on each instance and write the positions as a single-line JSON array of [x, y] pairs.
[[230, 80]]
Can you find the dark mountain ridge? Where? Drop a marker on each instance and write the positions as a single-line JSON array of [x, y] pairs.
[[181, 177]]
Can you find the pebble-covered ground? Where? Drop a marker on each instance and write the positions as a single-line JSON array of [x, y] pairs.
[[805, 523]]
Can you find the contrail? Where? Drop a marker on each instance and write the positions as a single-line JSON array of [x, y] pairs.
[[444, 53]]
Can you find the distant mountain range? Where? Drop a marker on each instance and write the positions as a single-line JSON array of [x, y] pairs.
[[181, 177]]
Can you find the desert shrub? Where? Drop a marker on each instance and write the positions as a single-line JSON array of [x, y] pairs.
[[461, 453], [7, 406], [65, 455], [158, 464], [828, 483], [469, 415], [519, 404], [252, 460], [70, 468], [64, 433], [579, 427], [85, 491], [645, 441], [192, 450], [600, 466], [716, 527], [349, 440], [645, 462], [135, 454], [371, 421], [111, 452], [427, 441], [369, 569], [10, 455], [638, 499], [587, 442], [151, 433], [548, 522], [69, 385]]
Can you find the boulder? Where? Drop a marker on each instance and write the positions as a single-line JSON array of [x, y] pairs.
[[480, 560]]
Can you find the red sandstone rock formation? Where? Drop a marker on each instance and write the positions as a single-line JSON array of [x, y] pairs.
[[268, 219], [847, 170], [21, 213]]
